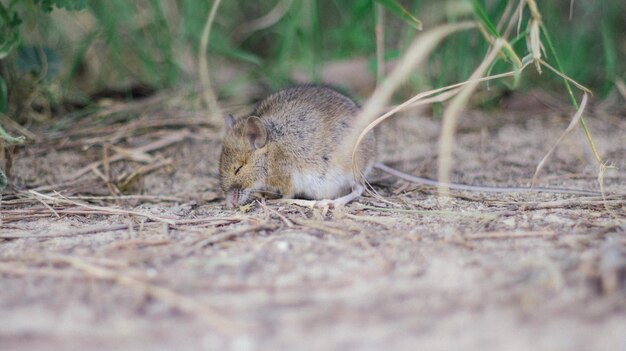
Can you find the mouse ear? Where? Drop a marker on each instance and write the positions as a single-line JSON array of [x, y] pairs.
[[255, 132], [230, 121]]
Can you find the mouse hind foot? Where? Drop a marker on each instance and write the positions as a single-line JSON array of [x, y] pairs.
[[341, 201]]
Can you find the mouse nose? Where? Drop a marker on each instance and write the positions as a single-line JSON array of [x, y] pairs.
[[232, 198]]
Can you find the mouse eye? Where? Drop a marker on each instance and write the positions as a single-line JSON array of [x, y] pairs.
[[237, 169]]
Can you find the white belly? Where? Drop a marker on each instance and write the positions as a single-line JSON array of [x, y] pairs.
[[333, 184]]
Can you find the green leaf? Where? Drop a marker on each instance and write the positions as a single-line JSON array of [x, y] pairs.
[[10, 43], [4, 95], [3, 180], [479, 11], [610, 54], [9, 32], [400, 11], [69, 5], [9, 139], [244, 56]]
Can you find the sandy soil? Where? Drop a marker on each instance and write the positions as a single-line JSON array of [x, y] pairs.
[[476, 272]]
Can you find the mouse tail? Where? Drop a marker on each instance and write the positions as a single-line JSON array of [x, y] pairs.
[[478, 188]]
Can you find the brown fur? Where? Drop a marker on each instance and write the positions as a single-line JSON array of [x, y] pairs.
[[303, 127]]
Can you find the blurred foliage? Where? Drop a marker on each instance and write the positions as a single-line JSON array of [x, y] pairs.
[[70, 5], [9, 30], [120, 43]]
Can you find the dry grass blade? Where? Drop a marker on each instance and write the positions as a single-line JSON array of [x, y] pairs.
[[424, 98], [448, 92], [142, 243], [114, 132], [576, 84], [81, 231], [287, 222], [621, 87], [56, 214], [451, 214], [416, 54], [574, 203], [510, 235], [386, 222], [533, 38], [203, 65], [215, 220], [412, 102], [105, 210], [129, 154], [446, 140], [321, 226], [229, 235], [603, 169], [23, 270], [582, 120], [155, 145], [155, 198], [25, 132], [125, 180], [505, 15], [183, 303], [569, 128]]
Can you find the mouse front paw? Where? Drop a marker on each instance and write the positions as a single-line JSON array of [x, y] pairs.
[[341, 201]]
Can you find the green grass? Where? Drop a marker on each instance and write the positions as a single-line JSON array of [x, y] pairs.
[[146, 41]]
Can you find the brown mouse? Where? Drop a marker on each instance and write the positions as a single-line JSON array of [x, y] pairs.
[[291, 146], [288, 147]]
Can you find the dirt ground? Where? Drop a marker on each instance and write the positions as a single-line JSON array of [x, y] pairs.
[[114, 236]]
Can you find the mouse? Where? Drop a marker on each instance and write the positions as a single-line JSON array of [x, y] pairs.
[[287, 147], [291, 146]]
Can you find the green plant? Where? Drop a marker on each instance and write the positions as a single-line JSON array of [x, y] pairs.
[[10, 39]]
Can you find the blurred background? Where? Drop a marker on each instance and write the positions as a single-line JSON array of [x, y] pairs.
[[57, 56]]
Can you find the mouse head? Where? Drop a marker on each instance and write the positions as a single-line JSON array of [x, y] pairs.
[[243, 159]]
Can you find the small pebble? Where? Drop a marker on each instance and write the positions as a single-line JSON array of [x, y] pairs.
[[282, 245]]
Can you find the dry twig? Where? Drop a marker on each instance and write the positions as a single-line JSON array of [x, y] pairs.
[[141, 150], [106, 210], [510, 235], [229, 235]]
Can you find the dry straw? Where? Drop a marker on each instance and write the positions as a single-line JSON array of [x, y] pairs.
[[416, 54], [460, 93], [451, 113], [203, 63]]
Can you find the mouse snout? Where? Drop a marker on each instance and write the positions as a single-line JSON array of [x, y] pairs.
[[237, 197], [232, 197]]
